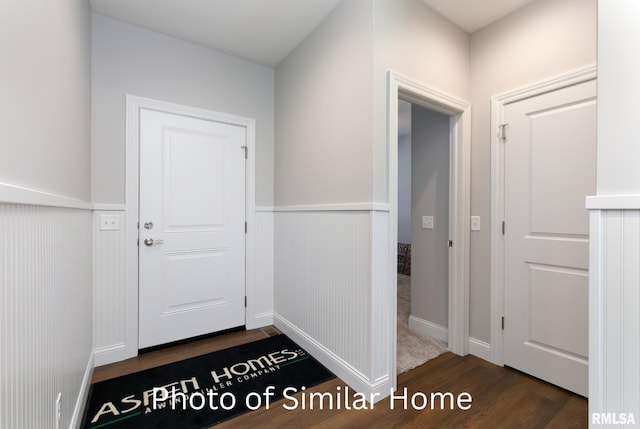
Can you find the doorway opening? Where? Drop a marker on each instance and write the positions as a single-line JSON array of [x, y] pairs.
[[423, 234], [459, 116]]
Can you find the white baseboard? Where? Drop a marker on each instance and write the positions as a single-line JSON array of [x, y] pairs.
[[261, 320], [109, 354], [480, 349], [350, 375], [76, 418], [477, 347], [428, 329]]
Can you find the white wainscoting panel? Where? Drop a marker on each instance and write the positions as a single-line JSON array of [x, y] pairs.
[[109, 299], [614, 287], [323, 284], [45, 314], [260, 312], [384, 304], [328, 283]]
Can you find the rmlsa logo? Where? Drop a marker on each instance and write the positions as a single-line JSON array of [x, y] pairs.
[[613, 419]]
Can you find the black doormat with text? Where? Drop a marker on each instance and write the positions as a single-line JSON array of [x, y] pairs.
[[199, 392]]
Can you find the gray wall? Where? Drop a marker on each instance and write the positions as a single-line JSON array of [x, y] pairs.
[[404, 188], [131, 60], [545, 38], [325, 90], [429, 197], [45, 102], [323, 112]]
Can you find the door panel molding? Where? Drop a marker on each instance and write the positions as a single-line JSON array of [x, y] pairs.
[[498, 107], [132, 166]]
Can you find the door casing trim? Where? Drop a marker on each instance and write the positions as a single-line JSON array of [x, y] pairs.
[[498, 107], [459, 112], [132, 169]]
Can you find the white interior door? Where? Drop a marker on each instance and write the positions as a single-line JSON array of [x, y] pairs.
[[192, 227], [550, 166]]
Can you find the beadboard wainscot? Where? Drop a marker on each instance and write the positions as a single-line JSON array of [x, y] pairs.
[[331, 291], [45, 307], [614, 300]]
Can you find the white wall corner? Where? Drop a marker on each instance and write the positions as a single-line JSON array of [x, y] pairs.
[[83, 394]]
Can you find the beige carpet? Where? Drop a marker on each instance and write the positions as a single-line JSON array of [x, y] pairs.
[[413, 349]]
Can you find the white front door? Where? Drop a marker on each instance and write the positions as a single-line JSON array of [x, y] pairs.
[[192, 227], [550, 166]]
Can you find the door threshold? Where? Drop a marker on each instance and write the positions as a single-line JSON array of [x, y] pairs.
[[190, 340]]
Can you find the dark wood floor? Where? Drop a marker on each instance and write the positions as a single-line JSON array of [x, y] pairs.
[[502, 397], [180, 352]]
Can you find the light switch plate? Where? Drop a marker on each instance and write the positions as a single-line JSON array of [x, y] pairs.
[[109, 222], [475, 223], [427, 222]]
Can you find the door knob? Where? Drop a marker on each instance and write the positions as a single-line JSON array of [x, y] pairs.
[[151, 241]]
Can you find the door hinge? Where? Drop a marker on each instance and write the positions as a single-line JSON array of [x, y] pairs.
[[246, 152], [245, 227], [245, 301], [138, 242], [502, 323], [450, 243], [503, 227], [503, 133]]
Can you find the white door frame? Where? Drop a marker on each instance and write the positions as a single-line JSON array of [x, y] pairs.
[[133, 106], [498, 107], [459, 112]]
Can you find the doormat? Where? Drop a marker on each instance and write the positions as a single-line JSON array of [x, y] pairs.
[[199, 392]]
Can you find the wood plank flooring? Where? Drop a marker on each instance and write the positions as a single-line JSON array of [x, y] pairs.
[[502, 397]]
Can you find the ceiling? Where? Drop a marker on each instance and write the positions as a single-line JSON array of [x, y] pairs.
[[472, 15], [264, 31], [261, 31]]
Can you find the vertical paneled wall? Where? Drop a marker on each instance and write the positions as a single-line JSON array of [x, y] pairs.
[[262, 314], [383, 300], [324, 299], [109, 303], [45, 314], [614, 374]]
